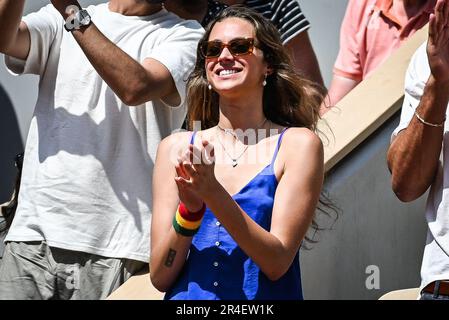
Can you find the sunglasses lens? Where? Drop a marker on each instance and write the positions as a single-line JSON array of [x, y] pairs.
[[212, 49], [240, 46]]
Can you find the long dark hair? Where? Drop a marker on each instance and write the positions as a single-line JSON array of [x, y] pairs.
[[289, 99]]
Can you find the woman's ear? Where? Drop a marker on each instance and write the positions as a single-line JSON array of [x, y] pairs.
[[269, 71]]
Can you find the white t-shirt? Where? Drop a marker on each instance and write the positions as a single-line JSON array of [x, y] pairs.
[[435, 264], [87, 171]]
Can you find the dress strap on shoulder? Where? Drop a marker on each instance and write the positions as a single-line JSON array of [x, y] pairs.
[[278, 146]]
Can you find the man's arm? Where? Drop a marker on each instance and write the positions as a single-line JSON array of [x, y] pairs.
[[340, 86], [348, 71], [414, 154], [134, 83], [304, 57], [14, 37]]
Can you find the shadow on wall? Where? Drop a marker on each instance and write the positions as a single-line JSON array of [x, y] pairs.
[[10, 145]]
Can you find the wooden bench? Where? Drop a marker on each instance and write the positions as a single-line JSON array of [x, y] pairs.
[[138, 287]]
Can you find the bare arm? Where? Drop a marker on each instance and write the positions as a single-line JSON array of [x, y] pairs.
[[340, 86], [168, 248], [15, 37], [134, 83], [304, 57], [413, 156]]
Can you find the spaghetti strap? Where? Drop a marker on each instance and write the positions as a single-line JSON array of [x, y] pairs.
[[192, 139], [278, 146]]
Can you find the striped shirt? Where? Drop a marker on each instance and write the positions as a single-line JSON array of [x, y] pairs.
[[213, 9], [286, 15]]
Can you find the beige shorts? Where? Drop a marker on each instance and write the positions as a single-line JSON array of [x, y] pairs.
[[33, 270]]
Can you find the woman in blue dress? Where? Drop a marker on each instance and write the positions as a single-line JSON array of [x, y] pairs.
[[234, 198]]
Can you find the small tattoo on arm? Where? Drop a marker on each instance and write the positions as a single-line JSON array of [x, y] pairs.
[[170, 257]]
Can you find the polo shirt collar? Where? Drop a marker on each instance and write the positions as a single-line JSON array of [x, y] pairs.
[[384, 6]]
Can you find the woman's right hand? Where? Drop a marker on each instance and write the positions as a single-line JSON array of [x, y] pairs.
[[191, 200]]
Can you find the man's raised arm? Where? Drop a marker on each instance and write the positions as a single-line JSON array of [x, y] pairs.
[[132, 82], [414, 154]]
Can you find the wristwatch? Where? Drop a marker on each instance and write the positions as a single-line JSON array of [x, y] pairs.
[[80, 19]]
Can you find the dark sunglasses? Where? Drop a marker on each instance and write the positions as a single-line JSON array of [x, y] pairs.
[[237, 47]]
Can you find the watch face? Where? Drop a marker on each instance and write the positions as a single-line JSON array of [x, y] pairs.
[[86, 20], [84, 17], [80, 18]]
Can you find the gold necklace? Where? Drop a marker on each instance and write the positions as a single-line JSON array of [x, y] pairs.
[[234, 159]]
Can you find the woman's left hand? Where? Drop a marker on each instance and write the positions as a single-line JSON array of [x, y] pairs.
[[199, 165]]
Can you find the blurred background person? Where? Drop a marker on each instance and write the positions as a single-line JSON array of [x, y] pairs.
[[202, 11], [371, 30]]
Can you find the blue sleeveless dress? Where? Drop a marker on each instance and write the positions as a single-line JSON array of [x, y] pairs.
[[217, 269]]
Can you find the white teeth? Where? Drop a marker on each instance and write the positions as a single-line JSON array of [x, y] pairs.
[[227, 72]]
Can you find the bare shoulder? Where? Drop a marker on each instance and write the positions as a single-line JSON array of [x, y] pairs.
[[175, 142], [302, 140], [301, 154]]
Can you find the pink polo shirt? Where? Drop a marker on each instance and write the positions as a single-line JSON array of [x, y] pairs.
[[370, 33]]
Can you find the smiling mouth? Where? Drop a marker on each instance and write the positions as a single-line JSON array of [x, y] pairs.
[[227, 72]]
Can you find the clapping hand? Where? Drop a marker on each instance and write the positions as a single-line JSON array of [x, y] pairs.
[[195, 175]]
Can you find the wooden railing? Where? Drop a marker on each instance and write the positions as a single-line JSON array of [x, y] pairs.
[[354, 119], [369, 104]]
